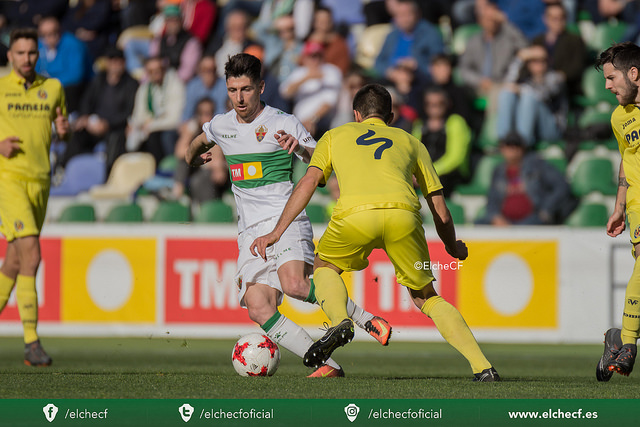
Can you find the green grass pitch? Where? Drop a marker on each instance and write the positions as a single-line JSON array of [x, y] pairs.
[[186, 368]]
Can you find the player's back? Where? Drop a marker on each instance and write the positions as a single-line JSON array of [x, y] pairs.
[[375, 164]]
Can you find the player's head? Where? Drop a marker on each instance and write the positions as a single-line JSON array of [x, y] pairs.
[[373, 100], [244, 85], [23, 52], [620, 65]]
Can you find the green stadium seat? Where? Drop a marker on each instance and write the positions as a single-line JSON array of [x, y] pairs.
[[171, 212], [317, 213], [606, 34], [456, 210], [593, 90], [78, 213], [488, 138], [588, 215], [215, 211], [481, 180], [560, 163], [167, 165], [595, 174], [461, 37], [592, 117], [125, 213]]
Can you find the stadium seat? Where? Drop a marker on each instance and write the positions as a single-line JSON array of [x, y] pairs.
[[481, 180], [461, 36], [488, 138], [594, 174], [215, 211], [129, 171], [125, 213], [316, 213], [588, 215], [456, 210], [82, 172], [592, 117], [78, 213], [171, 212], [593, 90], [167, 165], [369, 44], [560, 163], [605, 34]]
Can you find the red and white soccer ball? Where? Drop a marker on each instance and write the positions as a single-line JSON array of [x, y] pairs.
[[255, 355]]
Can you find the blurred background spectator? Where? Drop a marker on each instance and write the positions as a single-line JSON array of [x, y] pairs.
[[205, 84], [157, 111], [447, 137], [314, 87], [526, 190], [236, 39], [181, 48], [89, 21], [535, 106], [282, 50], [105, 108], [351, 84], [336, 50], [64, 57], [205, 183]]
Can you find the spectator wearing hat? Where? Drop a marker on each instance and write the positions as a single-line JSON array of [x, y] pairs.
[[105, 108], [314, 88], [525, 189], [181, 48], [65, 58]]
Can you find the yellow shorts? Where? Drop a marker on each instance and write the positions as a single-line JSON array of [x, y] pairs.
[[23, 205], [347, 243]]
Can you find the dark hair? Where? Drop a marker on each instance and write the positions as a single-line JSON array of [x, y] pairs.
[[513, 139], [556, 4], [623, 56], [243, 64], [23, 33], [373, 100]]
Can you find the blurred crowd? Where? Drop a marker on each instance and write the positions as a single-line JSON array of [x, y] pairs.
[[472, 79]]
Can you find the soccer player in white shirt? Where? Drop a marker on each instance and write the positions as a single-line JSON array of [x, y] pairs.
[[258, 141]]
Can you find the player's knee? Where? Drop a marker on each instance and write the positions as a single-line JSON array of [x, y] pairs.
[[260, 313], [295, 287]]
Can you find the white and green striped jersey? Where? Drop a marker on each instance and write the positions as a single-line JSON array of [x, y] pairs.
[[260, 169]]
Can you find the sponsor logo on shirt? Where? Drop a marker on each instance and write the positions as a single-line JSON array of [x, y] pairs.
[[628, 122], [244, 171], [235, 135], [8, 94], [261, 131], [27, 107]]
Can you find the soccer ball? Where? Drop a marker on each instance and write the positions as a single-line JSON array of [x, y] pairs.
[[255, 355]]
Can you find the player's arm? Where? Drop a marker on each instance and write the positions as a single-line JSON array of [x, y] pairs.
[[297, 201], [292, 145], [62, 124], [444, 225], [198, 151], [616, 224]]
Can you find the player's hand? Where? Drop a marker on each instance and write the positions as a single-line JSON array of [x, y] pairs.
[[459, 251], [286, 141], [202, 159], [10, 146], [260, 245], [62, 123], [616, 224]]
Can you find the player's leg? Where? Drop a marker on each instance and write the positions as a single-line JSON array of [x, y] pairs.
[[405, 244], [262, 302], [294, 255], [8, 273]]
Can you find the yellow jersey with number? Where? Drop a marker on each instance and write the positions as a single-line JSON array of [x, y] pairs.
[[374, 164], [28, 114]]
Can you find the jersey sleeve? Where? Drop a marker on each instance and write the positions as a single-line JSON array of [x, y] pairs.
[[207, 128], [321, 158], [425, 172]]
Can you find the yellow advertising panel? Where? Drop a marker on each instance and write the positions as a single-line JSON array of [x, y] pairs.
[[509, 284], [108, 280]]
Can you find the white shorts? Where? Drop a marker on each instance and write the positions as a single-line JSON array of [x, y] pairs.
[[296, 244]]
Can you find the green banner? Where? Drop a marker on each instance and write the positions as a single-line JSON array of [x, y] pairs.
[[317, 412]]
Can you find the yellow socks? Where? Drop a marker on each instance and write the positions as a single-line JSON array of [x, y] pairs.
[[331, 294], [631, 314], [6, 285], [27, 306], [454, 329]]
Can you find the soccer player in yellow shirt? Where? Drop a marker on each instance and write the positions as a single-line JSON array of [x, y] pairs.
[[377, 208], [29, 104], [621, 68]]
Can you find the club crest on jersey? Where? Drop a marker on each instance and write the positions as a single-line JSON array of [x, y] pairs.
[[18, 225], [261, 131], [42, 94], [636, 232]]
